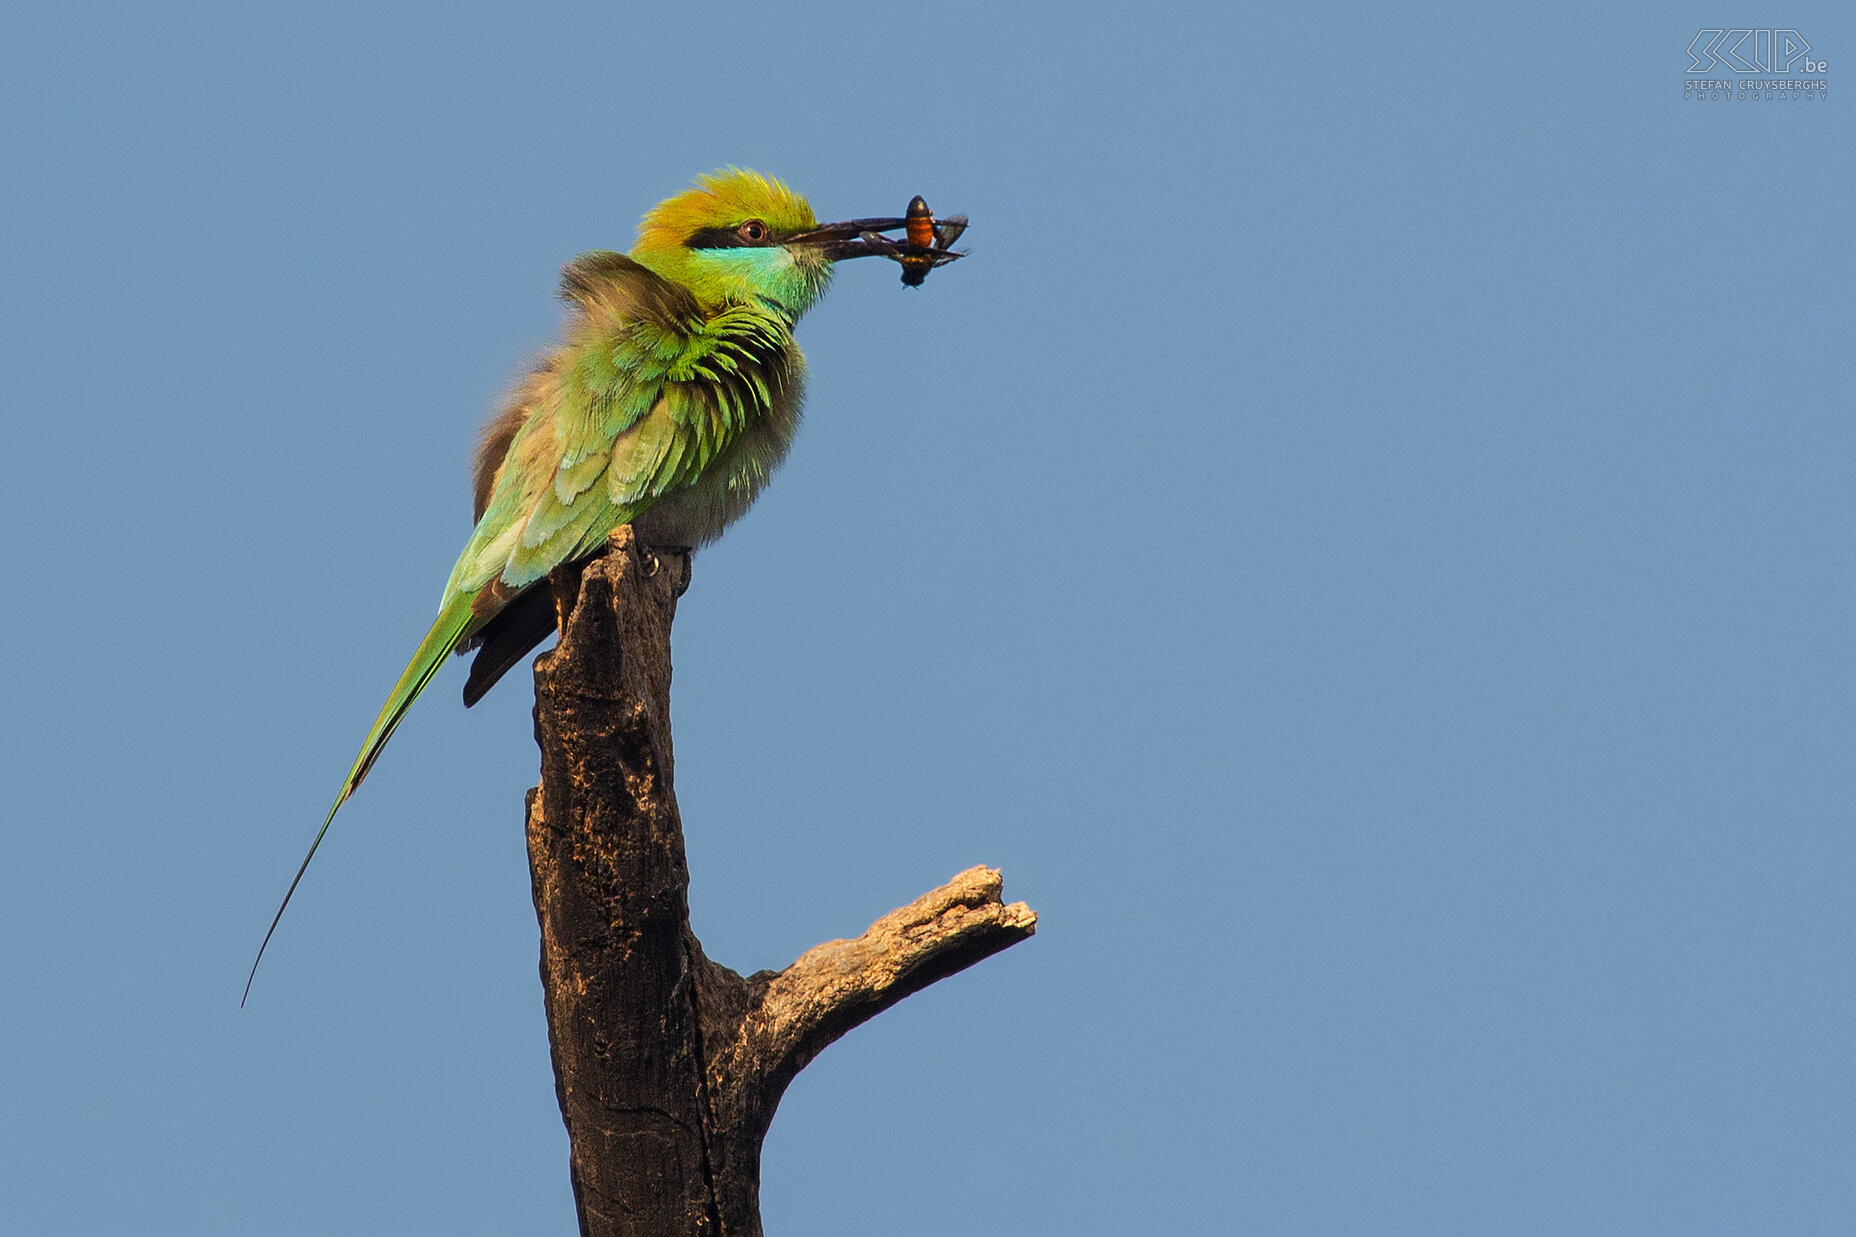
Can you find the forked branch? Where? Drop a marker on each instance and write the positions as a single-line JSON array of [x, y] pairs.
[[669, 1066]]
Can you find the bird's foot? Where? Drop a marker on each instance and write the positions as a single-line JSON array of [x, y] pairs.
[[674, 557]]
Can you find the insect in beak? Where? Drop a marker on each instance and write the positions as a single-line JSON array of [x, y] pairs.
[[926, 242]]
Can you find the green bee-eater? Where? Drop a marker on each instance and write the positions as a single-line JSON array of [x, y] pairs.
[[672, 397]]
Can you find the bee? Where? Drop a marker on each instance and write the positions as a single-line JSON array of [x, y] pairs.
[[926, 241]]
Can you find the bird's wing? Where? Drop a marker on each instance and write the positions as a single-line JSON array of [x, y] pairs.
[[630, 328], [634, 412]]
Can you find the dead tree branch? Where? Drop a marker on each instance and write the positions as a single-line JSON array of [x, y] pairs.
[[669, 1066]]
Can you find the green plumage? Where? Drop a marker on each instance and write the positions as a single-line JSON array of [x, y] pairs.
[[640, 408], [673, 396]]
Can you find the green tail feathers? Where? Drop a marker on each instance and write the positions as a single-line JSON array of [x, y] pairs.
[[449, 628]]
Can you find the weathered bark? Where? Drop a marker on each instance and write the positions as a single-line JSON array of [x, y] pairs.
[[669, 1066]]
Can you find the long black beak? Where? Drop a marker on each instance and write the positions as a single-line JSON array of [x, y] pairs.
[[863, 238]]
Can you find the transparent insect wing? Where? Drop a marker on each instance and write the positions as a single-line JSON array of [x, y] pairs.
[[948, 230]]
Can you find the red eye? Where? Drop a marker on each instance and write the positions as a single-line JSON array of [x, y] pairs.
[[754, 232]]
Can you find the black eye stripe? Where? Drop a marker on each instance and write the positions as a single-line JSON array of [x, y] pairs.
[[715, 238], [728, 238]]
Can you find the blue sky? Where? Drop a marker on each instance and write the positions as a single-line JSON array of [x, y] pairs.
[[1364, 543]]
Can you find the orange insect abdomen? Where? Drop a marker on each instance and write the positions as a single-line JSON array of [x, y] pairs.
[[919, 224]]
